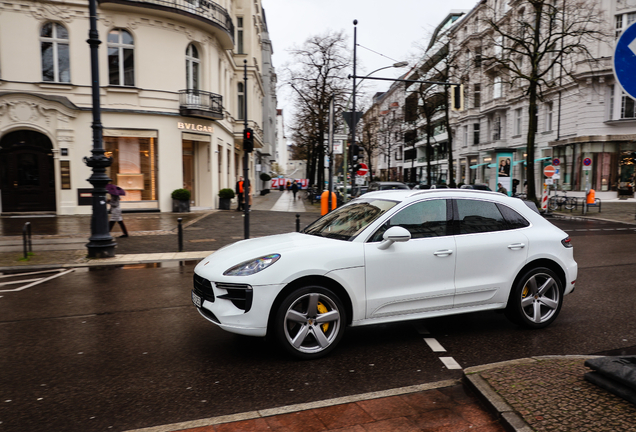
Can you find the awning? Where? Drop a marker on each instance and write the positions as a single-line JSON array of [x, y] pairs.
[[518, 162], [478, 165]]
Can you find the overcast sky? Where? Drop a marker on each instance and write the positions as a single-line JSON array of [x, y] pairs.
[[392, 28]]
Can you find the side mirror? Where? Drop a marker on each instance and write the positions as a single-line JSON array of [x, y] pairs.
[[394, 234]]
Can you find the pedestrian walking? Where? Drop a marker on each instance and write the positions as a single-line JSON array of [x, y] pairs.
[[501, 189], [240, 191], [294, 188], [115, 193]]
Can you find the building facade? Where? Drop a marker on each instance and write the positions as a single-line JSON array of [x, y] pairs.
[[583, 115], [172, 95]]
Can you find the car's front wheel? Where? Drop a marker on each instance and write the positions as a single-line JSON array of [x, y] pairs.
[[310, 322], [536, 299]]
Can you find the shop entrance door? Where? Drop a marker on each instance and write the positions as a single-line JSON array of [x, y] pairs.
[[188, 169], [27, 176]]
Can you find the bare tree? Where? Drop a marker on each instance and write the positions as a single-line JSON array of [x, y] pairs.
[[535, 44], [318, 73]]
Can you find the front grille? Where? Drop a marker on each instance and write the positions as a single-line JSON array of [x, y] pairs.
[[239, 294], [203, 288]]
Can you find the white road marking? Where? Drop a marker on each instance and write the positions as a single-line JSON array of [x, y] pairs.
[[435, 346], [450, 363], [37, 281]]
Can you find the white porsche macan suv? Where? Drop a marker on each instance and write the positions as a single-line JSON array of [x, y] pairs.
[[389, 256]]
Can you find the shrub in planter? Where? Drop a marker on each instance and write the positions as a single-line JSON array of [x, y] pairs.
[[181, 200], [225, 197]]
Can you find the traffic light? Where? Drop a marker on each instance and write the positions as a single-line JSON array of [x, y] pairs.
[[354, 152], [248, 140], [457, 97]]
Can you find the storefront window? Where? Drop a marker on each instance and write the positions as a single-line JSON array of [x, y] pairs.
[[134, 166]]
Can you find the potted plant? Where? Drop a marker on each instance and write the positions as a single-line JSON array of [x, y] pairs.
[[181, 200], [225, 197]]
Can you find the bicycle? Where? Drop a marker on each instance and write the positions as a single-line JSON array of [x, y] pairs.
[[557, 201]]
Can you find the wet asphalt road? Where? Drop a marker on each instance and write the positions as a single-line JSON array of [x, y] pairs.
[[124, 348]]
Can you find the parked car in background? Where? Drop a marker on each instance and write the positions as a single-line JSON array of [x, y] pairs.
[[389, 256], [478, 186], [386, 185], [359, 190]]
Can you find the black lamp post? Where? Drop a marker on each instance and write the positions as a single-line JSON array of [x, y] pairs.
[[101, 244], [246, 159]]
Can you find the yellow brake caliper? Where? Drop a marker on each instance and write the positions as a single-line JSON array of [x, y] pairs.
[[525, 292], [322, 309]]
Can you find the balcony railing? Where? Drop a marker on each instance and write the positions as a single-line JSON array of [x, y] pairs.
[[205, 9], [197, 103]]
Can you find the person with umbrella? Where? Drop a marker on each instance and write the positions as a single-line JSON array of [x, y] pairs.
[[115, 209]]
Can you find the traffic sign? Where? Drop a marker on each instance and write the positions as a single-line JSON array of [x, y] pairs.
[[549, 171], [556, 162], [587, 161], [625, 60], [364, 169]]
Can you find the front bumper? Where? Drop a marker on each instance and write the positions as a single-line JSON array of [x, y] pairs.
[[236, 308]]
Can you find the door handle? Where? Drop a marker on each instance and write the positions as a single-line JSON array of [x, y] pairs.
[[443, 253], [516, 246]]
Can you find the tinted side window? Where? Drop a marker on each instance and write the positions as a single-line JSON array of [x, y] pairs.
[[479, 216], [422, 219], [514, 219]]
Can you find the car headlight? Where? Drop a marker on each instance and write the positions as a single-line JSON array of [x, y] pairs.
[[253, 266]]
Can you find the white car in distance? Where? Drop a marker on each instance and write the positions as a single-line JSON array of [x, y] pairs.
[[389, 256]]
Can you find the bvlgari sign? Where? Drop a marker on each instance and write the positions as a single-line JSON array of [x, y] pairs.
[[195, 127]]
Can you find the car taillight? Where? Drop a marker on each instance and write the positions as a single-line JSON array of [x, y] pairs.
[[567, 242]]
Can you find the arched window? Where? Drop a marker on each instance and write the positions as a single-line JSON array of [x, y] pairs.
[[56, 64], [121, 58], [192, 68], [241, 101]]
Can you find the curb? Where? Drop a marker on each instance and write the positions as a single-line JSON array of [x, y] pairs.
[[268, 412]]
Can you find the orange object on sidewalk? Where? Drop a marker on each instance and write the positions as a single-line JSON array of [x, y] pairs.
[[591, 196], [324, 202]]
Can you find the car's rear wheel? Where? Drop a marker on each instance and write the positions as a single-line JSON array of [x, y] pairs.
[[536, 300], [310, 322]]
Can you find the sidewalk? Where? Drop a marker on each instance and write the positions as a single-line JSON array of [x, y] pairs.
[[540, 394]]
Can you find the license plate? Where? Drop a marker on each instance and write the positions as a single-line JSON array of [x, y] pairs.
[[198, 301]]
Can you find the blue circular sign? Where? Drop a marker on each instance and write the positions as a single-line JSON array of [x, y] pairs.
[[556, 162], [625, 60], [587, 161]]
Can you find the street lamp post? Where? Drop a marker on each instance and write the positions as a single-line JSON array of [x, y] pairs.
[[101, 244], [352, 98]]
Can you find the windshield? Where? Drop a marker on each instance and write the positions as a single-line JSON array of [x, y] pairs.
[[346, 222]]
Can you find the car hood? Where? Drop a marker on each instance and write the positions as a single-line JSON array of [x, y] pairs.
[[300, 254]]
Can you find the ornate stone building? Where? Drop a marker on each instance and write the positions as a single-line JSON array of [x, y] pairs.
[[172, 96]]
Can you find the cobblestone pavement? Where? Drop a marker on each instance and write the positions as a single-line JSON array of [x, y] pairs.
[[550, 394]]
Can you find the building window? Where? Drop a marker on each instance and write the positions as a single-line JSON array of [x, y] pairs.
[[518, 114], [496, 87], [465, 135], [134, 166], [496, 128], [475, 133], [56, 64], [121, 58], [192, 67], [623, 21], [627, 107], [548, 116], [477, 57], [611, 102], [239, 35], [477, 95], [241, 101]]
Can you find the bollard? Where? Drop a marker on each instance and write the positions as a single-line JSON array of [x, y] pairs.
[[297, 222], [324, 202], [180, 231], [27, 246]]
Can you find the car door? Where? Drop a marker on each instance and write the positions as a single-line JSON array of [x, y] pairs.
[[489, 253], [413, 276]]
